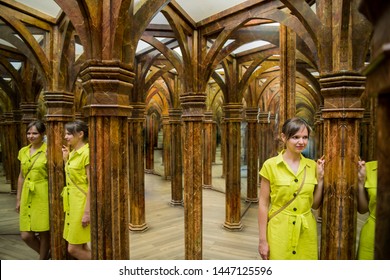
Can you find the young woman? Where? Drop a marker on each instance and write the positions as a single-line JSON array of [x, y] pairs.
[[291, 185], [76, 193], [32, 199], [367, 186]]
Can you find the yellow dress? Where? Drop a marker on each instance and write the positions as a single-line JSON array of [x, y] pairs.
[[74, 197], [292, 233], [367, 233], [34, 199]]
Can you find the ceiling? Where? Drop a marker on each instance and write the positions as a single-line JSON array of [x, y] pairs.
[[196, 9]]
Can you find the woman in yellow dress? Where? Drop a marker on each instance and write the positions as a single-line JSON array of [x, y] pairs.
[[76, 193], [32, 199], [367, 185], [291, 185]]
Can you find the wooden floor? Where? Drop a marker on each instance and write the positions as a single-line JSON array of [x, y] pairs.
[[164, 239]]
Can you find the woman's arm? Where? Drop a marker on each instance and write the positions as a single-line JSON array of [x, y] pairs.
[[362, 205], [263, 218], [19, 190], [318, 190], [86, 217]]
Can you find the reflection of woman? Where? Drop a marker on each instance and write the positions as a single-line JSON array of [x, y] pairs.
[[76, 194], [291, 185], [32, 200], [367, 176]]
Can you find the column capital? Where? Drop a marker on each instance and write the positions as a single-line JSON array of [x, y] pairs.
[[342, 92], [108, 85], [59, 105], [193, 105], [233, 112]]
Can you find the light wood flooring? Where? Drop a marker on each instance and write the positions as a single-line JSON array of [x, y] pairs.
[[164, 239]]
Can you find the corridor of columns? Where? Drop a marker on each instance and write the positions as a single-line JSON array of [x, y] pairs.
[[193, 81]]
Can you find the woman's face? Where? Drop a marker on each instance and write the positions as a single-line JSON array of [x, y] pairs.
[[33, 136], [298, 142], [71, 139]]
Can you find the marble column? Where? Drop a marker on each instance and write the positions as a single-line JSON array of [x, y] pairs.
[[253, 154], [207, 150], [176, 157], [59, 111], [108, 85], [378, 87], [233, 120], [193, 109], [137, 169], [167, 134], [342, 115]]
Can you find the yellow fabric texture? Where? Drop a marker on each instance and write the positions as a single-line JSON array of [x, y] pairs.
[[74, 200], [367, 233], [292, 233], [34, 199]]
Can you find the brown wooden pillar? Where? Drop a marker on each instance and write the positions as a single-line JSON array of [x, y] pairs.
[[193, 108], [176, 157], [108, 84], [59, 111], [223, 146], [9, 149], [166, 147], [207, 149], [253, 155], [378, 86], [233, 166], [137, 169], [342, 115], [29, 114], [150, 143], [12, 121], [287, 75], [214, 142]]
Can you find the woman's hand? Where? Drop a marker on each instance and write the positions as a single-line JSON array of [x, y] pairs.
[[86, 219], [320, 167], [264, 249], [361, 172], [65, 152], [17, 208]]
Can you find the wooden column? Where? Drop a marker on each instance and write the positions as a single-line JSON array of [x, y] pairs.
[[378, 86], [193, 108], [207, 149], [166, 147], [149, 144], [176, 157], [9, 150], [287, 75], [29, 114], [12, 148], [265, 138], [342, 115], [137, 169], [233, 166], [253, 155], [223, 147], [59, 111], [108, 84]]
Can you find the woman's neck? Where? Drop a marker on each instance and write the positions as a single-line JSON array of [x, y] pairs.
[[79, 145], [36, 146]]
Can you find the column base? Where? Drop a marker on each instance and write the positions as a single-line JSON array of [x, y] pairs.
[[207, 186], [176, 202], [138, 228], [149, 171], [252, 200], [233, 226]]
